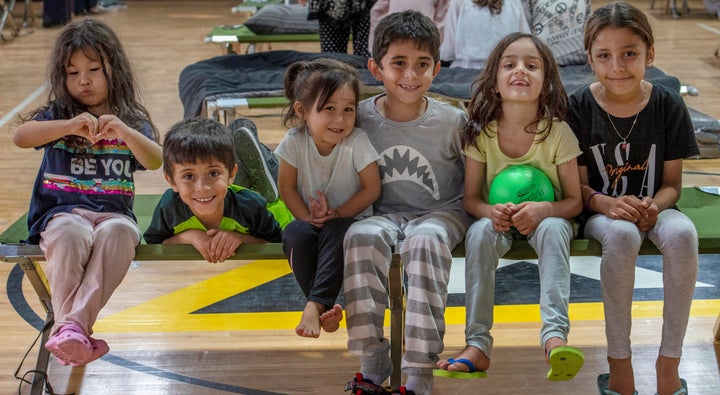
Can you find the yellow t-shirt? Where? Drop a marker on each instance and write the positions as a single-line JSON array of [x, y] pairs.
[[560, 146]]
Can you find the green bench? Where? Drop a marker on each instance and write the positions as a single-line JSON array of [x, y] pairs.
[[701, 207]]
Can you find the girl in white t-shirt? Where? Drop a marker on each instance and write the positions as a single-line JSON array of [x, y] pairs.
[[328, 178]]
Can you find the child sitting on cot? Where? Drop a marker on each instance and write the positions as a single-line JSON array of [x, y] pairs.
[[203, 207], [95, 134], [516, 118], [329, 179]]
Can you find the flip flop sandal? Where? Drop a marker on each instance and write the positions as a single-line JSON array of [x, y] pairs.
[[472, 372], [565, 363], [70, 345], [362, 386], [602, 383], [683, 388]]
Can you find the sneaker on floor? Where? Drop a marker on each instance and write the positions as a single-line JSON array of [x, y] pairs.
[[70, 346], [259, 178]]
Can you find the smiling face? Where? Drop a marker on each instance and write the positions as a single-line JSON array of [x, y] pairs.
[[618, 57], [406, 72], [334, 121], [202, 186], [520, 73], [86, 82]]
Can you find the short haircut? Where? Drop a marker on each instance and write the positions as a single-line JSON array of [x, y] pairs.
[[409, 25], [195, 140]]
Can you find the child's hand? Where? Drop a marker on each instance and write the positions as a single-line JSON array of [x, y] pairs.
[[320, 211], [627, 207], [528, 216], [223, 244], [84, 125], [651, 211], [318, 205], [109, 127], [501, 216]]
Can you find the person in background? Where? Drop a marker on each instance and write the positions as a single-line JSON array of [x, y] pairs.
[[473, 27], [433, 9], [560, 24], [338, 19]]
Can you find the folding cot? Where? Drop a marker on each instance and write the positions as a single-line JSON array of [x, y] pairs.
[[701, 207], [231, 35], [6, 18]]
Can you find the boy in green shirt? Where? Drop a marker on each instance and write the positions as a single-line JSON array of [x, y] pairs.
[[203, 207]]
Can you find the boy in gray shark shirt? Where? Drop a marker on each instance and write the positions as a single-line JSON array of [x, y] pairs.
[[419, 212]]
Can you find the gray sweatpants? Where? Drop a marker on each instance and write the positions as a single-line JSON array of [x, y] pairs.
[[676, 238], [483, 249]]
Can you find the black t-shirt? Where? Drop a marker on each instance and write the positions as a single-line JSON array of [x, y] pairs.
[[663, 132]]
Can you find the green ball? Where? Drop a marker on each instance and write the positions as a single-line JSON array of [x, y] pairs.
[[521, 183]]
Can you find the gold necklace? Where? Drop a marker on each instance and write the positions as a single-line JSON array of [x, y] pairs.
[[624, 145]]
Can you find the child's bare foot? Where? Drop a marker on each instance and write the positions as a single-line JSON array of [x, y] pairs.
[[622, 378], [330, 320], [552, 343], [473, 354], [309, 325]]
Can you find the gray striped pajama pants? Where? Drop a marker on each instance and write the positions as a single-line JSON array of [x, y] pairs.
[[425, 244]]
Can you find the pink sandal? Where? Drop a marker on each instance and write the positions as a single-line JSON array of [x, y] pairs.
[[70, 346]]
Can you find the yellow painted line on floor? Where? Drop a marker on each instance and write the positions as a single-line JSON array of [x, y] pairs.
[[174, 312]]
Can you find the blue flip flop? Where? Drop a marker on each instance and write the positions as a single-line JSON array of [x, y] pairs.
[[683, 388], [473, 373], [602, 383], [565, 363]]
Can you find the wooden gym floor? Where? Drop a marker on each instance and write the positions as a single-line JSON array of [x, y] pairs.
[[188, 327]]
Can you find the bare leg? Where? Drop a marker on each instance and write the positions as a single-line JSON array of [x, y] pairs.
[[668, 378], [622, 379], [473, 354], [330, 320]]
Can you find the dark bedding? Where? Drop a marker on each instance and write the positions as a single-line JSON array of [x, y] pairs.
[[261, 75]]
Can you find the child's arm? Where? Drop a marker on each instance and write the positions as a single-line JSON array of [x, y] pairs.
[[666, 197], [287, 186], [145, 150], [475, 205], [627, 207], [33, 134], [369, 192]]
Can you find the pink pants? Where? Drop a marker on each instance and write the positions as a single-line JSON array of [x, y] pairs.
[[88, 255]]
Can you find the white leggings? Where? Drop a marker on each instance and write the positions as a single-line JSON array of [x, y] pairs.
[[676, 238]]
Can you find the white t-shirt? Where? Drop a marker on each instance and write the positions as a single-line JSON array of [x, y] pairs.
[[335, 174], [471, 31]]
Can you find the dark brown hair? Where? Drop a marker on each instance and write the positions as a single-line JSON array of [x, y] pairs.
[[409, 25], [618, 15], [313, 82]]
